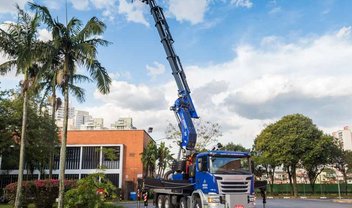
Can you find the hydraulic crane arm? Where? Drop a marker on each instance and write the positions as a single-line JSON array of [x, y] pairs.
[[183, 107]]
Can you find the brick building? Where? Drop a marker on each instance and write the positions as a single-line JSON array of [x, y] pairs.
[[117, 152]]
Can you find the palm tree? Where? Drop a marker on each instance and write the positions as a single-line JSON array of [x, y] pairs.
[[48, 85], [20, 44], [164, 157], [77, 45], [149, 157]]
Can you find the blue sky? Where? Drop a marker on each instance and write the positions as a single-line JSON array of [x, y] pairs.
[[248, 62]]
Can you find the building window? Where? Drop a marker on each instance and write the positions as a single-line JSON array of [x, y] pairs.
[[111, 157], [90, 157], [72, 157]]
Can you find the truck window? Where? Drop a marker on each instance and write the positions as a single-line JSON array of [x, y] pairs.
[[202, 163]]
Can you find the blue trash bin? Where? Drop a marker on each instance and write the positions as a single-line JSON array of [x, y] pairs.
[[133, 196]]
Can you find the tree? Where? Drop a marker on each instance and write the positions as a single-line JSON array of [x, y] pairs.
[[342, 161], [264, 154], [20, 44], [164, 158], [317, 157], [207, 134], [149, 158], [286, 141], [77, 46], [40, 128], [234, 147]]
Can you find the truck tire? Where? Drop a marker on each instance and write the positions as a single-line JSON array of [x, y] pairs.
[[183, 202], [167, 202], [198, 203], [160, 201]]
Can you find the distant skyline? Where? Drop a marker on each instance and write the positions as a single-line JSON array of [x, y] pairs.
[[248, 62]]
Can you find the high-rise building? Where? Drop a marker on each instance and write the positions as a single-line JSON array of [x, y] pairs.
[[345, 136], [123, 124], [80, 118]]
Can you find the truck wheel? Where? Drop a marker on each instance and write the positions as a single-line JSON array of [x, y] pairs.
[[160, 201], [183, 202], [167, 202], [198, 203]]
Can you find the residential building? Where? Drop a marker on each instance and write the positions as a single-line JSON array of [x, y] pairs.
[[345, 136], [123, 124]]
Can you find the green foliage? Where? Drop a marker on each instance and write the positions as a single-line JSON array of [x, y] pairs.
[[90, 192], [41, 130], [291, 141], [164, 158], [42, 193], [235, 147], [149, 158]]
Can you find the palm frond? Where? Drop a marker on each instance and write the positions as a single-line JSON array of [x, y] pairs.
[[44, 14], [7, 66], [100, 75], [78, 92], [79, 78]]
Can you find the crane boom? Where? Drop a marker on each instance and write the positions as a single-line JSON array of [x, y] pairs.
[[183, 106]]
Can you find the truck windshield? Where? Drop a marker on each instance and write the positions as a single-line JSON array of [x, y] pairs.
[[230, 165]]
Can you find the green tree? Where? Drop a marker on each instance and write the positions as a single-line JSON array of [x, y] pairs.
[[234, 147], [286, 141], [342, 161], [164, 158], [149, 158], [264, 154], [77, 45], [23, 49], [317, 156]]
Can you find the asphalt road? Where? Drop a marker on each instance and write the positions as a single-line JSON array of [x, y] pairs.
[[281, 203]]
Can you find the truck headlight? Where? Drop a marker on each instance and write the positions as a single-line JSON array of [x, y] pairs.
[[214, 199]]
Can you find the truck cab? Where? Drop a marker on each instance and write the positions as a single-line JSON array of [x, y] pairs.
[[223, 179]]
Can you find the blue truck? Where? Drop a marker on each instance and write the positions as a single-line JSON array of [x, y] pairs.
[[221, 179]]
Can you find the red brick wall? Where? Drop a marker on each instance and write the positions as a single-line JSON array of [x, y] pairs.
[[133, 142]]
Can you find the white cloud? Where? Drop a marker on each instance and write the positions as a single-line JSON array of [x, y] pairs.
[[133, 11], [258, 86], [188, 10], [80, 4], [155, 70], [134, 97], [242, 3], [344, 32], [44, 35], [10, 6]]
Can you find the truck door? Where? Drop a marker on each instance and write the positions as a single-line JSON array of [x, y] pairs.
[[204, 180]]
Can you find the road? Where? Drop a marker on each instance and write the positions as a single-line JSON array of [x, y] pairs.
[[281, 203]]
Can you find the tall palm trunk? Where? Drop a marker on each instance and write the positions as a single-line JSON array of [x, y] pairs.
[[52, 148], [18, 200], [63, 139]]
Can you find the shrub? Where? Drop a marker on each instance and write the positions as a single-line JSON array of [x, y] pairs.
[[41, 192], [90, 192]]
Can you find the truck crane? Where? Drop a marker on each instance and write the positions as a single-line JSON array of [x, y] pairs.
[[221, 179]]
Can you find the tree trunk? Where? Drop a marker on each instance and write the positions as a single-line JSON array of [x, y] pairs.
[[52, 148], [345, 180], [272, 178], [294, 177], [18, 200], [63, 148], [290, 179]]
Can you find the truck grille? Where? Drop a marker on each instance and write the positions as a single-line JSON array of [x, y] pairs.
[[232, 186]]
